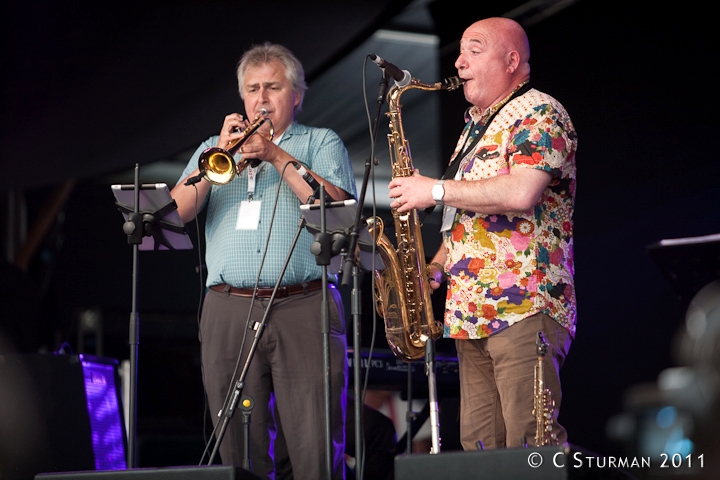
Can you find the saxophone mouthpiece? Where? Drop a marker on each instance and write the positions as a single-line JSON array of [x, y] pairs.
[[451, 83]]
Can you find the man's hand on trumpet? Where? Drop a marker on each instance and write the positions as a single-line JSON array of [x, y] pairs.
[[261, 147], [232, 127]]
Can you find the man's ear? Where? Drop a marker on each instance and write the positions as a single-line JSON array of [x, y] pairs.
[[513, 58]]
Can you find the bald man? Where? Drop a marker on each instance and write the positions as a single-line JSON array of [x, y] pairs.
[[507, 252]]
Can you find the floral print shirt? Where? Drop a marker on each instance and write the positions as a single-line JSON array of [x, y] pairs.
[[504, 268]]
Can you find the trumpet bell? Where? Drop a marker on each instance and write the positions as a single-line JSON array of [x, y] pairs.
[[218, 165]]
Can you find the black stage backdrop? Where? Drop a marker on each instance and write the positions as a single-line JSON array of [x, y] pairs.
[[637, 81]]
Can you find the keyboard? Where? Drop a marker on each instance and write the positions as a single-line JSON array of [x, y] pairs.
[[387, 372]]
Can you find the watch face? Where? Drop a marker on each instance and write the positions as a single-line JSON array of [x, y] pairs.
[[438, 192]]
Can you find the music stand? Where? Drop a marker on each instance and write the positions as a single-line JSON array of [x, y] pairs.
[[151, 223], [688, 263], [331, 224], [162, 227], [339, 219]]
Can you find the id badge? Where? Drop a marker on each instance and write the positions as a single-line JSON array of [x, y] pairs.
[[249, 215], [447, 219]]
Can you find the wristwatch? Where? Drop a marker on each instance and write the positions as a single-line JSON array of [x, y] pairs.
[[438, 192]]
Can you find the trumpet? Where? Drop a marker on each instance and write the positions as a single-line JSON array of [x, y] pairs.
[[218, 166]]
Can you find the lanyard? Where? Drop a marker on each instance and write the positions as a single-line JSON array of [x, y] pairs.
[[474, 137], [254, 171], [477, 134], [252, 175]]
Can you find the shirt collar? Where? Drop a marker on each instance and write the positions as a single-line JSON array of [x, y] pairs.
[[480, 117]]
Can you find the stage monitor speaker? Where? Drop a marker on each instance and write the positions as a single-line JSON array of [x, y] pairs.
[[537, 463], [214, 472], [59, 413]]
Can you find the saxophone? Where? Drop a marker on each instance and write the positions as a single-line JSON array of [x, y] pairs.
[[544, 406], [402, 289]]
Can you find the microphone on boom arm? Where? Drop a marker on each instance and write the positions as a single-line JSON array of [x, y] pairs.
[[402, 77]]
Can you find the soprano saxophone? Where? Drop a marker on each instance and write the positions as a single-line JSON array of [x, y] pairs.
[[544, 406], [402, 289]]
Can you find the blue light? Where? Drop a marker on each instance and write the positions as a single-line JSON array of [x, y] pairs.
[[105, 420], [666, 417]]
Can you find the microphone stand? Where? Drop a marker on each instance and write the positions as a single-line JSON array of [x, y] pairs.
[[351, 269], [322, 249]]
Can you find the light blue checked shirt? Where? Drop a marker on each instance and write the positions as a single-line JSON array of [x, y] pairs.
[[235, 256]]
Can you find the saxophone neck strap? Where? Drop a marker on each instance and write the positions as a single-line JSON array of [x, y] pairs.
[[475, 138], [478, 134]]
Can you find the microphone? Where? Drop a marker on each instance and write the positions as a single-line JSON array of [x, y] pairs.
[[310, 180], [195, 179], [402, 77]]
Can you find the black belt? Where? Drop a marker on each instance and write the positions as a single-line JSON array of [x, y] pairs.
[[267, 292]]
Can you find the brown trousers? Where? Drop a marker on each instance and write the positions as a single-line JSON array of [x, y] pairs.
[[285, 379], [497, 383]]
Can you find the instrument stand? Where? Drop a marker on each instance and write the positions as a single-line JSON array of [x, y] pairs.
[[145, 219], [432, 395]]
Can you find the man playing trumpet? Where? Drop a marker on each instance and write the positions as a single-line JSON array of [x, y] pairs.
[[286, 375]]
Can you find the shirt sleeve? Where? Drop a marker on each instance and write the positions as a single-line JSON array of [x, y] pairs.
[[541, 141], [328, 157]]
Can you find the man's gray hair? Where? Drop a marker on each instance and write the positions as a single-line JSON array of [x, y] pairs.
[[267, 52]]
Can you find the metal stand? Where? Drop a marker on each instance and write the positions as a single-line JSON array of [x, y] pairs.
[[410, 415], [351, 270], [246, 405], [432, 396], [322, 248], [133, 342], [142, 223], [431, 408]]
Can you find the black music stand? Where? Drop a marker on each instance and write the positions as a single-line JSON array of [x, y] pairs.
[[688, 263], [160, 227], [332, 224], [339, 220], [151, 223]]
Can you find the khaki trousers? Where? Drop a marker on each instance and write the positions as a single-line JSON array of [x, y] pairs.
[[497, 383]]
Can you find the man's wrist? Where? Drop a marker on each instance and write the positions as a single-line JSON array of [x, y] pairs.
[[438, 192]]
